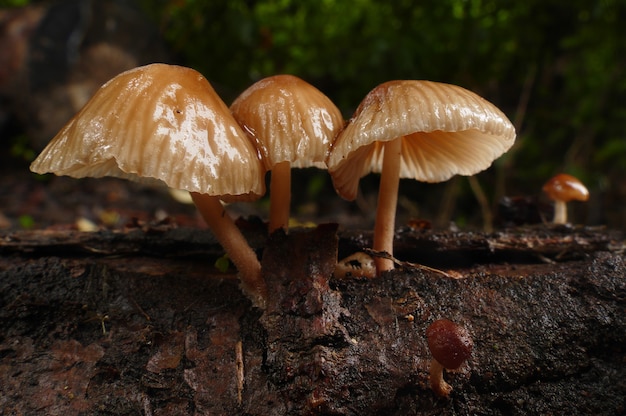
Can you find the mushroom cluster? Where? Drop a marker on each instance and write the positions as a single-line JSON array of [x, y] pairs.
[[165, 123]]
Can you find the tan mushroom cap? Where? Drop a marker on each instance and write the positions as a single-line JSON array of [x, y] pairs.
[[566, 188], [445, 129], [158, 123], [290, 120]]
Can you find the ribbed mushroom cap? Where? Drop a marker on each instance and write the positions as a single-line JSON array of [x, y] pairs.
[[445, 129], [290, 120], [158, 123], [566, 188]]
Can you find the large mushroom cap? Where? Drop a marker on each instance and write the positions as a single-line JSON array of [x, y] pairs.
[[445, 129], [291, 120], [157, 123]]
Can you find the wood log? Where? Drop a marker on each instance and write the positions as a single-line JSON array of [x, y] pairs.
[[139, 321]]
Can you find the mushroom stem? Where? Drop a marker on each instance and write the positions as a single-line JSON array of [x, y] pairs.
[[235, 245], [280, 196], [384, 227], [437, 383], [560, 212]]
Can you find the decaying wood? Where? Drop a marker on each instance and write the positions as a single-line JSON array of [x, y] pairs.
[[561, 242], [138, 321]]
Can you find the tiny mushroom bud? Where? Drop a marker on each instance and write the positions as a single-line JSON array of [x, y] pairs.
[[165, 124], [356, 265], [563, 188], [293, 125], [423, 130], [450, 345]]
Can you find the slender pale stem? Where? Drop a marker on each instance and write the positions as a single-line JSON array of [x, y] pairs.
[[384, 227], [235, 245], [483, 201], [280, 196], [437, 383], [560, 212]]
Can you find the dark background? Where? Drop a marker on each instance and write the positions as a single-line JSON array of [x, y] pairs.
[[557, 69]]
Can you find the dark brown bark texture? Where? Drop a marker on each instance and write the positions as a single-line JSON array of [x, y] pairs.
[[139, 321]]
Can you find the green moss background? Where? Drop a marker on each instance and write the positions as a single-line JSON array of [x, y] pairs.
[[557, 69]]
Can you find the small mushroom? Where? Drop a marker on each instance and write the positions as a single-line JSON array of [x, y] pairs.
[[451, 345], [563, 188], [357, 265], [422, 130], [293, 125], [165, 124]]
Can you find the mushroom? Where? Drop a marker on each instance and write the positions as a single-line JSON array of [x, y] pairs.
[[423, 130], [293, 125], [165, 124], [357, 265], [563, 188], [450, 345]]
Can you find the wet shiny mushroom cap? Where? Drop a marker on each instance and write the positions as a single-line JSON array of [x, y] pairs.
[[445, 129], [566, 188], [289, 119], [158, 123], [449, 343]]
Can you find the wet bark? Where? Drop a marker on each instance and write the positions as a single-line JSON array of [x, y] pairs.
[[139, 321]]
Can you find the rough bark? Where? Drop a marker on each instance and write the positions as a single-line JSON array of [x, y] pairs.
[[138, 321]]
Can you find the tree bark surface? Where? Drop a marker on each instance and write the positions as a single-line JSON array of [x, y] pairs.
[[139, 321]]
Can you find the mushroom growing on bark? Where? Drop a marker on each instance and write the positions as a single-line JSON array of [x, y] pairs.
[[563, 188], [422, 130], [293, 125], [451, 345], [165, 124]]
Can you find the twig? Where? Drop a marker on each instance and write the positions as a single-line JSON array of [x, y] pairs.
[[240, 370], [407, 264]]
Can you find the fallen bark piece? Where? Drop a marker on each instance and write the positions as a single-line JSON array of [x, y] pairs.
[[532, 244], [528, 244]]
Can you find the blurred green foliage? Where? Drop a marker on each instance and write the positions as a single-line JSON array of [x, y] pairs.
[[21, 149], [26, 222], [223, 263], [558, 69], [13, 3]]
